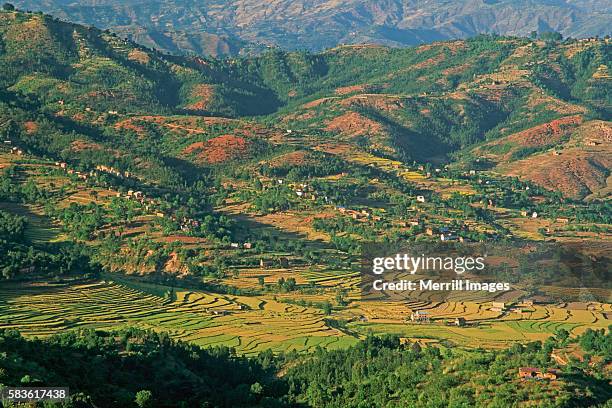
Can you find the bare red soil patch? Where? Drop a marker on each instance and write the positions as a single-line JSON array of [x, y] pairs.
[[381, 102], [317, 102], [139, 56], [204, 94], [576, 173], [220, 149], [80, 145], [353, 124], [345, 90], [547, 133], [189, 124], [30, 127], [429, 62], [297, 158]]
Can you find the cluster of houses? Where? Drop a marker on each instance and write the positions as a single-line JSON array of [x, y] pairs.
[[304, 191], [113, 171], [410, 223], [421, 316], [187, 224], [503, 307], [245, 245], [86, 175], [79, 174], [361, 215], [445, 233], [283, 263], [531, 373], [17, 151], [14, 150]]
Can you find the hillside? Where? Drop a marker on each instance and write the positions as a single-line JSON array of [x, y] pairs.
[[222, 27], [226, 202], [146, 369]]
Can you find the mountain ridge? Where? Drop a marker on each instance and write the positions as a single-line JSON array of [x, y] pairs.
[[249, 25], [426, 103]]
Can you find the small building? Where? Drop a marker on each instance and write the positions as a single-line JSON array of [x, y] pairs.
[[460, 322], [234, 245], [221, 312], [448, 237], [420, 199], [528, 373], [498, 307], [29, 269], [420, 317], [248, 245], [534, 215]]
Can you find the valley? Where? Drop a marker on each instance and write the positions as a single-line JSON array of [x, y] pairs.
[[217, 211]]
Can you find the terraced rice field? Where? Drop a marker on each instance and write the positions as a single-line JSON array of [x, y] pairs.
[[250, 324], [39, 228], [485, 328], [256, 323]]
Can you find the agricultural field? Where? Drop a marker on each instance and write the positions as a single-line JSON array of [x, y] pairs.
[[252, 324], [248, 324], [228, 202]]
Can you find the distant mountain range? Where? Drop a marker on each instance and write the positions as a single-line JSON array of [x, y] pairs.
[[222, 27]]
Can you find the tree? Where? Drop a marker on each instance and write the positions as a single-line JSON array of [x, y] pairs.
[[8, 7], [144, 399], [256, 388], [551, 36], [327, 308]]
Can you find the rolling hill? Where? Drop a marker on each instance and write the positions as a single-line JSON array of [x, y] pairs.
[[77, 93], [225, 204]]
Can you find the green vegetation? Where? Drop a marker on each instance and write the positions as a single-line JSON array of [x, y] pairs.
[[227, 203], [150, 369]]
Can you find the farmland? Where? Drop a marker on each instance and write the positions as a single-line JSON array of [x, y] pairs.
[[248, 324], [252, 324]]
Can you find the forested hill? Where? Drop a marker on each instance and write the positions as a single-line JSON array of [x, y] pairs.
[[227, 27], [144, 369], [76, 93]]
